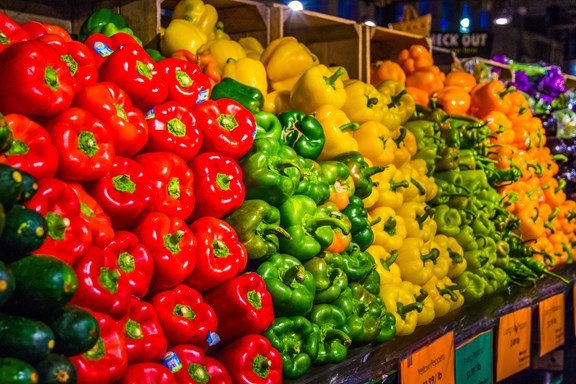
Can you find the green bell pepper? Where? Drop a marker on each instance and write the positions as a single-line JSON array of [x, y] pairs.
[[313, 183], [268, 126], [360, 171], [98, 19], [296, 338], [476, 258], [249, 97], [330, 280], [466, 238], [155, 54], [451, 137], [338, 177], [270, 171], [292, 287], [428, 153], [447, 158], [333, 342], [388, 321], [356, 263], [447, 192], [310, 228], [475, 180], [467, 159], [372, 282], [302, 132], [471, 286], [362, 233], [257, 224], [448, 220], [363, 314]]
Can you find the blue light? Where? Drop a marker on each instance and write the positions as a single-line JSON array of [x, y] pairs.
[[465, 25]]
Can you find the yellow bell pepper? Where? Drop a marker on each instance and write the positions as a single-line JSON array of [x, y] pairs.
[[442, 262], [401, 303], [375, 143], [222, 50], [422, 187], [252, 47], [445, 295], [338, 137], [386, 266], [247, 71], [286, 59], [398, 100], [458, 263], [316, 87], [391, 183], [181, 34], [277, 102], [390, 232], [371, 199], [218, 32], [402, 155], [418, 219], [202, 15], [421, 296], [415, 266], [363, 102]]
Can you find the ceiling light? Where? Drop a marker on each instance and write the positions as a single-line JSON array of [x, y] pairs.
[[295, 6], [370, 23], [504, 17]]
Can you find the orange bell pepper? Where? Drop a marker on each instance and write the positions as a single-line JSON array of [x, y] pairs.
[[453, 99], [420, 97], [417, 56], [490, 96], [461, 79], [429, 79], [386, 70]]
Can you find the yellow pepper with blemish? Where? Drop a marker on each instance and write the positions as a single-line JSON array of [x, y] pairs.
[[181, 34], [316, 87], [338, 137], [390, 231], [202, 15], [277, 102], [375, 143], [363, 102], [222, 50], [399, 300], [458, 263], [247, 71], [286, 59], [385, 265], [252, 46]]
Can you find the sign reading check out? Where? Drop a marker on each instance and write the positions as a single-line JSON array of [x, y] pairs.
[[464, 44]]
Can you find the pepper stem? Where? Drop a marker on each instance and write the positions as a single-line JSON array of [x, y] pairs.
[[402, 309], [455, 256], [390, 226], [171, 241], [87, 143], [432, 255], [448, 290], [271, 229], [351, 125], [367, 172], [401, 184], [51, 78], [395, 100], [223, 181], [123, 183], [418, 186], [401, 137], [294, 273], [332, 79], [372, 101], [219, 248], [332, 222], [389, 261]]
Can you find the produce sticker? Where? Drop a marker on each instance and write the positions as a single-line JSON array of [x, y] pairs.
[[432, 364], [513, 353], [474, 360], [551, 322]]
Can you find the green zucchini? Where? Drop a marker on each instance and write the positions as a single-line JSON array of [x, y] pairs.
[[24, 338], [44, 284], [7, 283], [29, 187], [15, 371], [75, 330], [11, 185], [56, 369], [25, 231]]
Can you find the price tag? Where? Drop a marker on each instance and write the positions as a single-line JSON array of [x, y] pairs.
[[432, 364], [513, 353], [473, 362], [551, 316]]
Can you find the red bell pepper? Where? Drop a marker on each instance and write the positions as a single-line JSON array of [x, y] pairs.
[[185, 317], [32, 150], [227, 127], [218, 179], [173, 248], [10, 32], [134, 260], [77, 57], [241, 300], [172, 128], [111, 104], [133, 70], [35, 29], [84, 145], [198, 368], [101, 286], [68, 234], [148, 373], [107, 361], [125, 194], [252, 360], [145, 339], [186, 82], [219, 254], [102, 46], [173, 183], [34, 81], [98, 221]]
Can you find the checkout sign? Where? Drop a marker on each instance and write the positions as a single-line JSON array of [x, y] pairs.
[[464, 44]]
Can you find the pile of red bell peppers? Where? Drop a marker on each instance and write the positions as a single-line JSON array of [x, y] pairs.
[[136, 168]]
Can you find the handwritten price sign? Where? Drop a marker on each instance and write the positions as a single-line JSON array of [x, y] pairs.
[[474, 357], [551, 316], [432, 364], [513, 352]]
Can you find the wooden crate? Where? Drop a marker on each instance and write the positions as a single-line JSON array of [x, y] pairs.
[[143, 16], [385, 44]]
